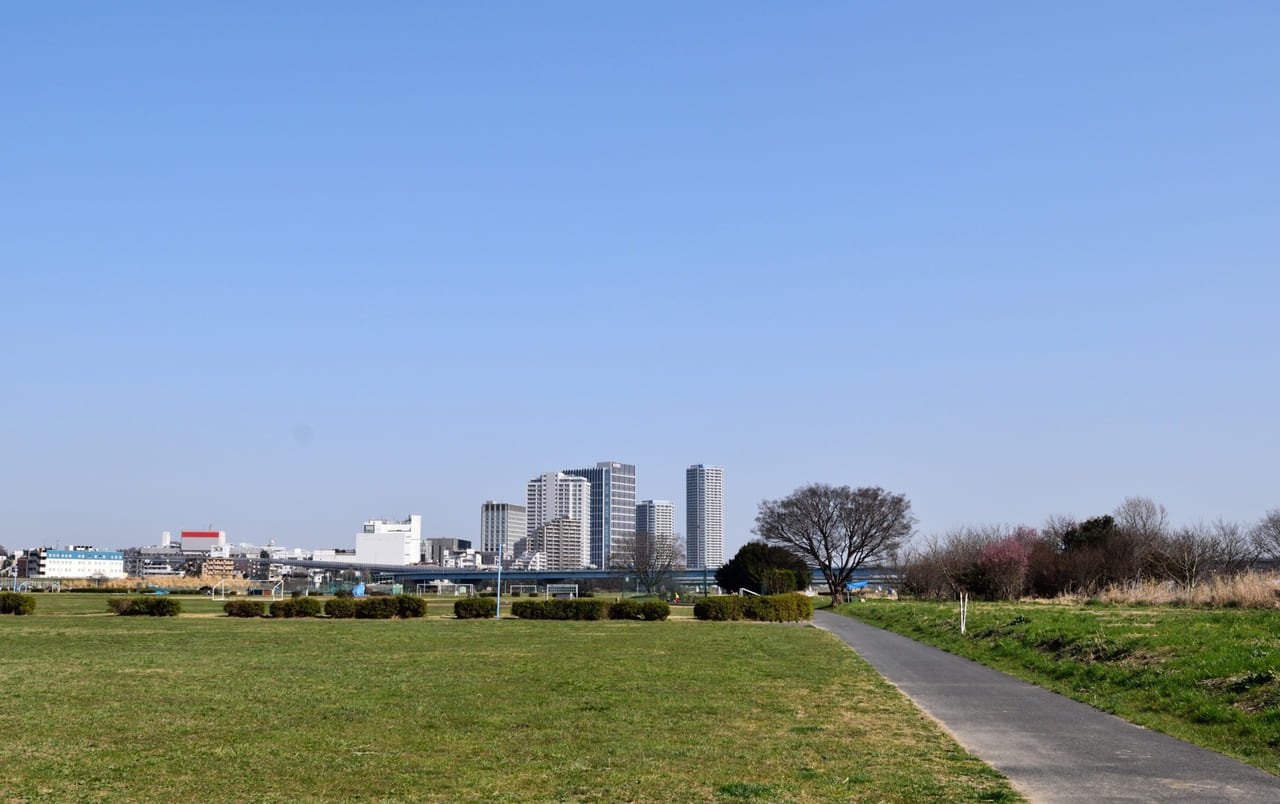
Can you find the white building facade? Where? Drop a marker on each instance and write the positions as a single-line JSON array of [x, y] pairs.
[[383, 541], [557, 495], [501, 526], [656, 524], [562, 541], [77, 561], [704, 516]]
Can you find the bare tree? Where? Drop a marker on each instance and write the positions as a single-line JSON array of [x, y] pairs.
[[1142, 515], [1233, 550], [836, 528], [1141, 527], [1187, 555], [654, 560], [1266, 535]]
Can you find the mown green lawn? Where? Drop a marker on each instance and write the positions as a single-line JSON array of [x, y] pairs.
[[207, 708], [1208, 676]]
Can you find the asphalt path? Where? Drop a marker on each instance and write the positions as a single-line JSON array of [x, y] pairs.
[[1052, 748]]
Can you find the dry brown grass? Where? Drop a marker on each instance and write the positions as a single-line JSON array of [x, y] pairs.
[[1250, 590]]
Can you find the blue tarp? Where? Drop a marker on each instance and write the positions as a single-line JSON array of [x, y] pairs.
[[849, 587], [358, 591]]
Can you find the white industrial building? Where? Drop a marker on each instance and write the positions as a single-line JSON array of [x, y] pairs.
[[77, 561], [207, 542], [382, 541]]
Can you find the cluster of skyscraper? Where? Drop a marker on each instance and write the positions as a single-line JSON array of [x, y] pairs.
[[579, 518]]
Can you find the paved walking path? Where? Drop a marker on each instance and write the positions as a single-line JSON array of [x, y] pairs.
[[1051, 747]]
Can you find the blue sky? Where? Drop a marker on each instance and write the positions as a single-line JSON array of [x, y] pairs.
[[281, 267]]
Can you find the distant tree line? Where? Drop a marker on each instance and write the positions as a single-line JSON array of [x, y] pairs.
[[1132, 544]]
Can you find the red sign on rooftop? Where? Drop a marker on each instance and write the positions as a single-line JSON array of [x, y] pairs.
[[200, 534]]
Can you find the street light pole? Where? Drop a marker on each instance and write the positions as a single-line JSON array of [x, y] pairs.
[[498, 614]]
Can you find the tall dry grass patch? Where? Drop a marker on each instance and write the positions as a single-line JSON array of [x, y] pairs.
[[1250, 590]]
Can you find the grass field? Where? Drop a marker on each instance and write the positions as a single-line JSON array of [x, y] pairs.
[[1208, 676], [208, 708]]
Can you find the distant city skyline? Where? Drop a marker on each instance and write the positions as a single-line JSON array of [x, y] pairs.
[[275, 271]]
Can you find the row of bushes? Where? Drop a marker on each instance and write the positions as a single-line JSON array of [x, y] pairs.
[[147, 606], [340, 608], [786, 608], [577, 609], [486, 607], [16, 603], [651, 610]]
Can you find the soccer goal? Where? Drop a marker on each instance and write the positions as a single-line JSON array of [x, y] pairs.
[[562, 590]]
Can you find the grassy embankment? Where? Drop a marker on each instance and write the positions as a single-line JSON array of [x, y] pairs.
[[201, 707], [1208, 676]]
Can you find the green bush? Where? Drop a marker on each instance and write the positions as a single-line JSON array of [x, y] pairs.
[[409, 606], [377, 608], [625, 610], [559, 609], [148, 606], [785, 608], [244, 608], [341, 608], [296, 607], [655, 610], [475, 608], [16, 603], [719, 608]]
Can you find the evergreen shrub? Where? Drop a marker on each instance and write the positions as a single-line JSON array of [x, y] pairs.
[[377, 608], [341, 608], [655, 610], [244, 608], [625, 610], [16, 603], [559, 609], [148, 606], [409, 606], [475, 608]]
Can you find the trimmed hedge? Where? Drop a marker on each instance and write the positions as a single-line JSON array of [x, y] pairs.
[[340, 608], [244, 608], [719, 608], [625, 610], [475, 608], [655, 610], [559, 609], [297, 607], [410, 606], [376, 608], [651, 610], [786, 608], [148, 606], [17, 603]]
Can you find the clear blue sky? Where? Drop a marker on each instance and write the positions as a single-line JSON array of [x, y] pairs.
[[281, 267]]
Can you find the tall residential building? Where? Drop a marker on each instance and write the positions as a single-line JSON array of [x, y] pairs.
[[562, 541], [613, 512], [501, 526], [558, 495], [656, 524], [704, 516]]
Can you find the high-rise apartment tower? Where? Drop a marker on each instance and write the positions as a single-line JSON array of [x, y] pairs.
[[558, 495], [613, 512], [704, 516]]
